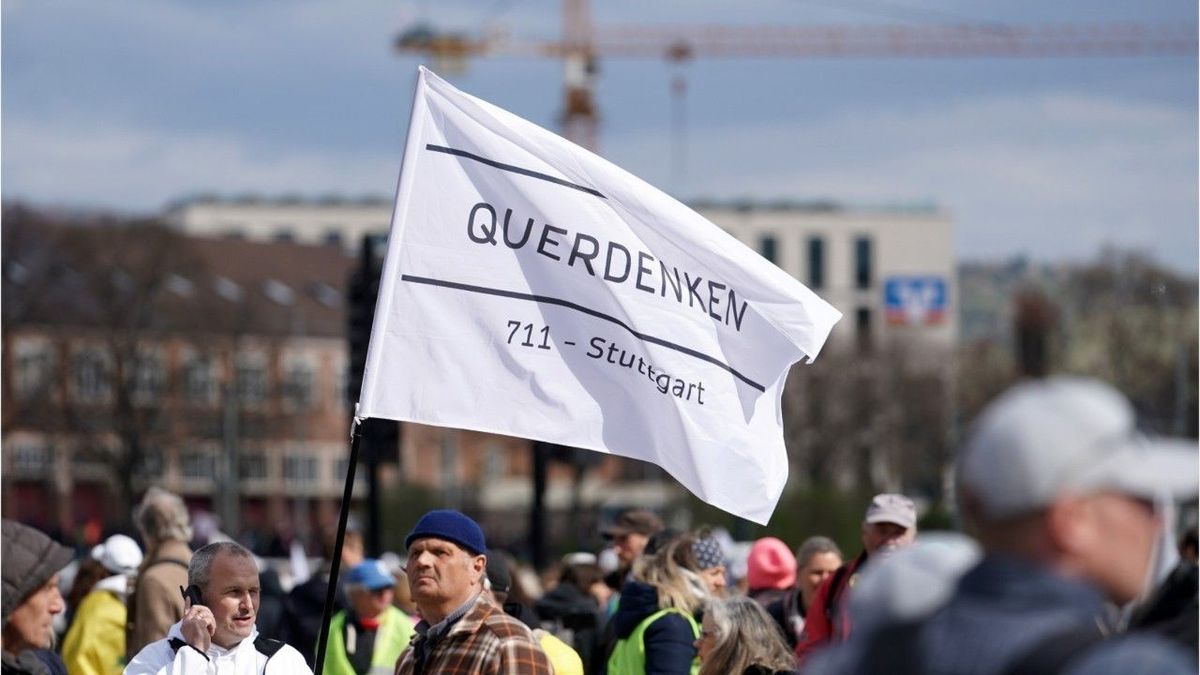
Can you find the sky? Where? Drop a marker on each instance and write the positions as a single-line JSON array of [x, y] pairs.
[[130, 104]]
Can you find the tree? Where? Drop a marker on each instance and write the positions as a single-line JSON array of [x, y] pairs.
[[107, 293]]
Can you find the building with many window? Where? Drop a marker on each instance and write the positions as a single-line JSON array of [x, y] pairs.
[[891, 271]]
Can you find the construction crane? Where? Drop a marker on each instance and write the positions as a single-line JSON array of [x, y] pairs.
[[581, 45]]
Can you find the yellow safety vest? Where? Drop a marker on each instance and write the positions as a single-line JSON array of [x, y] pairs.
[[629, 655], [392, 638]]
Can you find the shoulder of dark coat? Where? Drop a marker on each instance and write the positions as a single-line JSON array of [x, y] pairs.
[[673, 624]]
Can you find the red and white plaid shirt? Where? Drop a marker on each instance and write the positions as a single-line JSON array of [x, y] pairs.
[[485, 641]]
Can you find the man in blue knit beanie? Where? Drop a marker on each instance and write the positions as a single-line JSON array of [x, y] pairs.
[[462, 629]]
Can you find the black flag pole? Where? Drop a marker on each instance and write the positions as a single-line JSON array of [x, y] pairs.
[[335, 563]]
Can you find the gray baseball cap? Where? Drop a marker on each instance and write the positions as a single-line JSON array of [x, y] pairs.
[[1044, 438], [892, 508]]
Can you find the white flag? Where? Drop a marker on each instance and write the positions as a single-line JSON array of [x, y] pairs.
[[533, 289]]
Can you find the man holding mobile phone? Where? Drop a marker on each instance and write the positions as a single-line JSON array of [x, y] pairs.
[[218, 633]]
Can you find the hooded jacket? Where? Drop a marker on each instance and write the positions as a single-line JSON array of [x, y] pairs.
[[669, 640], [161, 658]]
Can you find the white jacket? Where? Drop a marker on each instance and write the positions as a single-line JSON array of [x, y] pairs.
[[158, 658]]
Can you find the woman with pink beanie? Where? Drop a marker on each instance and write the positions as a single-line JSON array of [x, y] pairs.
[[770, 570]]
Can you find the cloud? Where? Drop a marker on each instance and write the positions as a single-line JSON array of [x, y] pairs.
[[136, 169], [1051, 175]]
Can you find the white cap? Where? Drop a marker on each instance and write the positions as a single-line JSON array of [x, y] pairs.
[[1046, 437], [119, 554]]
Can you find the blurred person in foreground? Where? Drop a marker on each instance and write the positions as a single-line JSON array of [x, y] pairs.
[[816, 560], [154, 603], [219, 635], [738, 638], [1059, 488], [657, 624], [370, 635], [31, 599], [889, 523], [462, 629], [770, 571], [95, 643]]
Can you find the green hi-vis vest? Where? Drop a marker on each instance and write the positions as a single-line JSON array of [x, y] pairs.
[[629, 655], [392, 638]]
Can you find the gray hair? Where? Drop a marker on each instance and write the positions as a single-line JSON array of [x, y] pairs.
[[745, 636], [200, 569], [162, 516], [812, 546]]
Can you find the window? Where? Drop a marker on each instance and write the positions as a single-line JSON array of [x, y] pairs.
[[332, 237], [253, 466], [862, 262], [34, 366], [197, 464], [251, 378], [298, 386], [816, 262], [91, 371], [197, 377], [496, 464], [341, 385], [766, 246], [30, 460], [149, 378], [340, 467], [300, 469], [862, 328], [150, 465]]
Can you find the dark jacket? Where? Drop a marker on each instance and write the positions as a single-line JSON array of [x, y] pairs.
[[670, 643], [302, 611], [1172, 610], [34, 662], [568, 611]]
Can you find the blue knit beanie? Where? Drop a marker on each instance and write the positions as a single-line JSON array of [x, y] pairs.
[[449, 525]]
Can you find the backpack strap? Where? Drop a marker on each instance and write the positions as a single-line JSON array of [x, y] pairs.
[[1055, 652], [177, 644], [267, 646]]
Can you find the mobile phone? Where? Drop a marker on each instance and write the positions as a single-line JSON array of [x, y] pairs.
[[192, 593]]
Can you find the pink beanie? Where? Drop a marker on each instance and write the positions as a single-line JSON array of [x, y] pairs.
[[770, 565]]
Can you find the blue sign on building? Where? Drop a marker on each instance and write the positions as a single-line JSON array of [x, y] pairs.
[[914, 301]]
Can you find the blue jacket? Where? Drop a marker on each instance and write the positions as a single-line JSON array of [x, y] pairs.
[[670, 644], [1003, 608]]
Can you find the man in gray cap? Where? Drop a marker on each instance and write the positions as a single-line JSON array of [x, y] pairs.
[[30, 597], [890, 523], [1061, 491]]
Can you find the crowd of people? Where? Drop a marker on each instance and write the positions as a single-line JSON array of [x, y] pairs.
[[1066, 565]]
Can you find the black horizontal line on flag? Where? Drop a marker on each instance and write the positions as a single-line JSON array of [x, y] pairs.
[[515, 169], [586, 310]]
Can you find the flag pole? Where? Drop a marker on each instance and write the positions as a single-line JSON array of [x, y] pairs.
[[335, 562]]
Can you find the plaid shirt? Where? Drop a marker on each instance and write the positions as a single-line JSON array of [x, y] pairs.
[[485, 641]]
